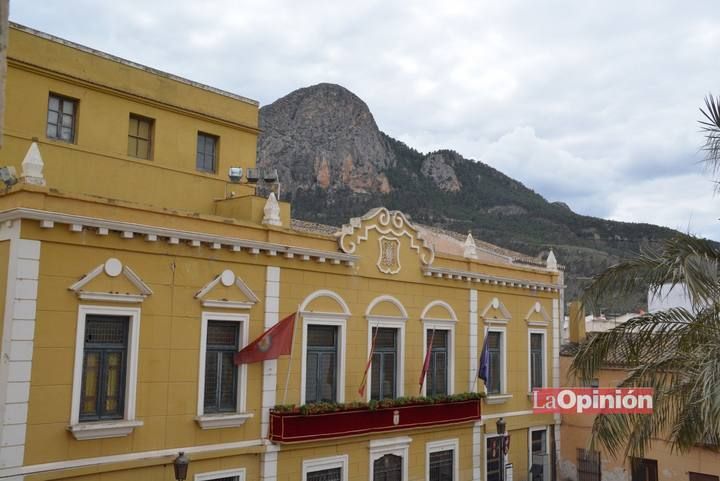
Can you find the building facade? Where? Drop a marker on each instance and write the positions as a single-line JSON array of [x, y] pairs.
[[132, 269]]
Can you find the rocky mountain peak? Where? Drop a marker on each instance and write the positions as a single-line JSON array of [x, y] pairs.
[[324, 136]]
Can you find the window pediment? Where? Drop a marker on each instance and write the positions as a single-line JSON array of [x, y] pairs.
[[227, 290], [111, 281]]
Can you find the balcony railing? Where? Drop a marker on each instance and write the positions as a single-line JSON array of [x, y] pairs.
[[290, 424]]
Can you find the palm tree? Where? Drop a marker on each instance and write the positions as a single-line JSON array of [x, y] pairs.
[[677, 351]]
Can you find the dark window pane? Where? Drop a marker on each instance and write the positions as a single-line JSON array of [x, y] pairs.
[[206, 152], [334, 474], [493, 459], [384, 363], [441, 466], [321, 364], [388, 468], [321, 336], [495, 369], [221, 374], [437, 376], [61, 118], [536, 360]]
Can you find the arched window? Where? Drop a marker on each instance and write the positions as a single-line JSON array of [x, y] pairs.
[[388, 468]]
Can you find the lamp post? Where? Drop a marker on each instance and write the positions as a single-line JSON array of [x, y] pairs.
[[180, 466], [501, 426]]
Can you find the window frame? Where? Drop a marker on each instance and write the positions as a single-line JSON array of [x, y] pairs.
[[443, 325], [542, 332], [503, 361], [484, 457], [399, 446], [225, 473], [83, 428], [440, 446], [75, 117], [388, 323], [151, 138], [223, 419], [324, 319], [216, 152], [531, 430], [310, 466]]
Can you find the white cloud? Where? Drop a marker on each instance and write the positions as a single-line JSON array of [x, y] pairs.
[[575, 100]]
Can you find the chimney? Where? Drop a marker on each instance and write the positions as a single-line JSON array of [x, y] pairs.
[[577, 322]]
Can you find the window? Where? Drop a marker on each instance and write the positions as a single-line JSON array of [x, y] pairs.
[[442, 460], [61, 118], [206, 158], [388, 468], [221, 376], [537, 360], [493, 458], [325, 469], [588, 463], [437, 375], [384, 363], [321, 364], [539, 467], [495, 371], [104, 366], [702, 477], [225, 475], [644, 469], [389, 459], [140, 137]]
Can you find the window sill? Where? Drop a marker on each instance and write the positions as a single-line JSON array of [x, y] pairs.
[[497, 398], [217, 421], [103, 429]]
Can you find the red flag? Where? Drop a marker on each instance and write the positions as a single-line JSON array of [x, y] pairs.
[[273, 343], [426, 364], [363, 383]]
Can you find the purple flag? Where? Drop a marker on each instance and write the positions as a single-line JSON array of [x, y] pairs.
[[484, 369]]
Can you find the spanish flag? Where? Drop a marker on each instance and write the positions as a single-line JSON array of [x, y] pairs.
[[273, 343]]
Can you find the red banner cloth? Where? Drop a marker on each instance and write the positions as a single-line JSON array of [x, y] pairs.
[[273, 343]]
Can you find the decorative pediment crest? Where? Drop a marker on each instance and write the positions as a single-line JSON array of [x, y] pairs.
[[537, 315], [120, 284], [244, 297], [495, 311], [392, 226]]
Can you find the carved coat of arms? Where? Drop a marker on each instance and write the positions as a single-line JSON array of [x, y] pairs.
[[389, 259]]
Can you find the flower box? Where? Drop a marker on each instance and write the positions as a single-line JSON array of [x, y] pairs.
[[293, 427]]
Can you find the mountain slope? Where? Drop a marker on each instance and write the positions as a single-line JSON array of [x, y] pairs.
[[335, 163]]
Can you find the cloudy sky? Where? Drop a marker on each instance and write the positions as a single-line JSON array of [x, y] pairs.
[[591, 103]]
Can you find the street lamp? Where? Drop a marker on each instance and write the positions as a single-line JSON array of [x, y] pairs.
[[501, 426], [180, 465]]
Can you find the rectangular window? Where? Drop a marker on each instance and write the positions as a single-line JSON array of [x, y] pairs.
[[333, 474], [61, 118], [537, 361], [539, 467], [321, 364], [441, 466], [384, 363], [437, 375], [644, 469], [494, 384], [104, 367], [206, 158], [588, 463], [221, 375], [493, 458], [702, 477], [140, 135]]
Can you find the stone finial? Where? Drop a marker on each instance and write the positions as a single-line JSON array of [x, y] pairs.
[[470, 247], [551, 262], [272, 211], [32, 166]]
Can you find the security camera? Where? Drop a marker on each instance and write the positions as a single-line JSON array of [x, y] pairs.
[[235, 174]]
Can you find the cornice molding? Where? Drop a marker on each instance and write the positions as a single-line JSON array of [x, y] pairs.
[[497, 281]]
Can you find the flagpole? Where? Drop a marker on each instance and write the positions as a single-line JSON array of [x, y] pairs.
[[292, 349]]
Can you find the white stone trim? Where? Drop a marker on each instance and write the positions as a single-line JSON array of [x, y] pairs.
[[16, 350], [542, 332], [173, 236], [496, 281], [341, 323], [272, 317], [538, 308], [496, 304], [145, 456], [102, 429], [473, 340], [109, 267], [399, 324], [444, 325], [477, 454], [509, 414], [319, 464], [224, 276], [269, 462], [399, 446], [504, 368], [325, 293], [439, 446], [386, 298], [452, 316], [491, 399], [225, 473], [221, 420]]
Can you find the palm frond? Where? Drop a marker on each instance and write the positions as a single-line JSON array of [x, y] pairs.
[[711, 128]]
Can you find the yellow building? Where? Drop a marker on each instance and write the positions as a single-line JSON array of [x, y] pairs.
[[132, 269]]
